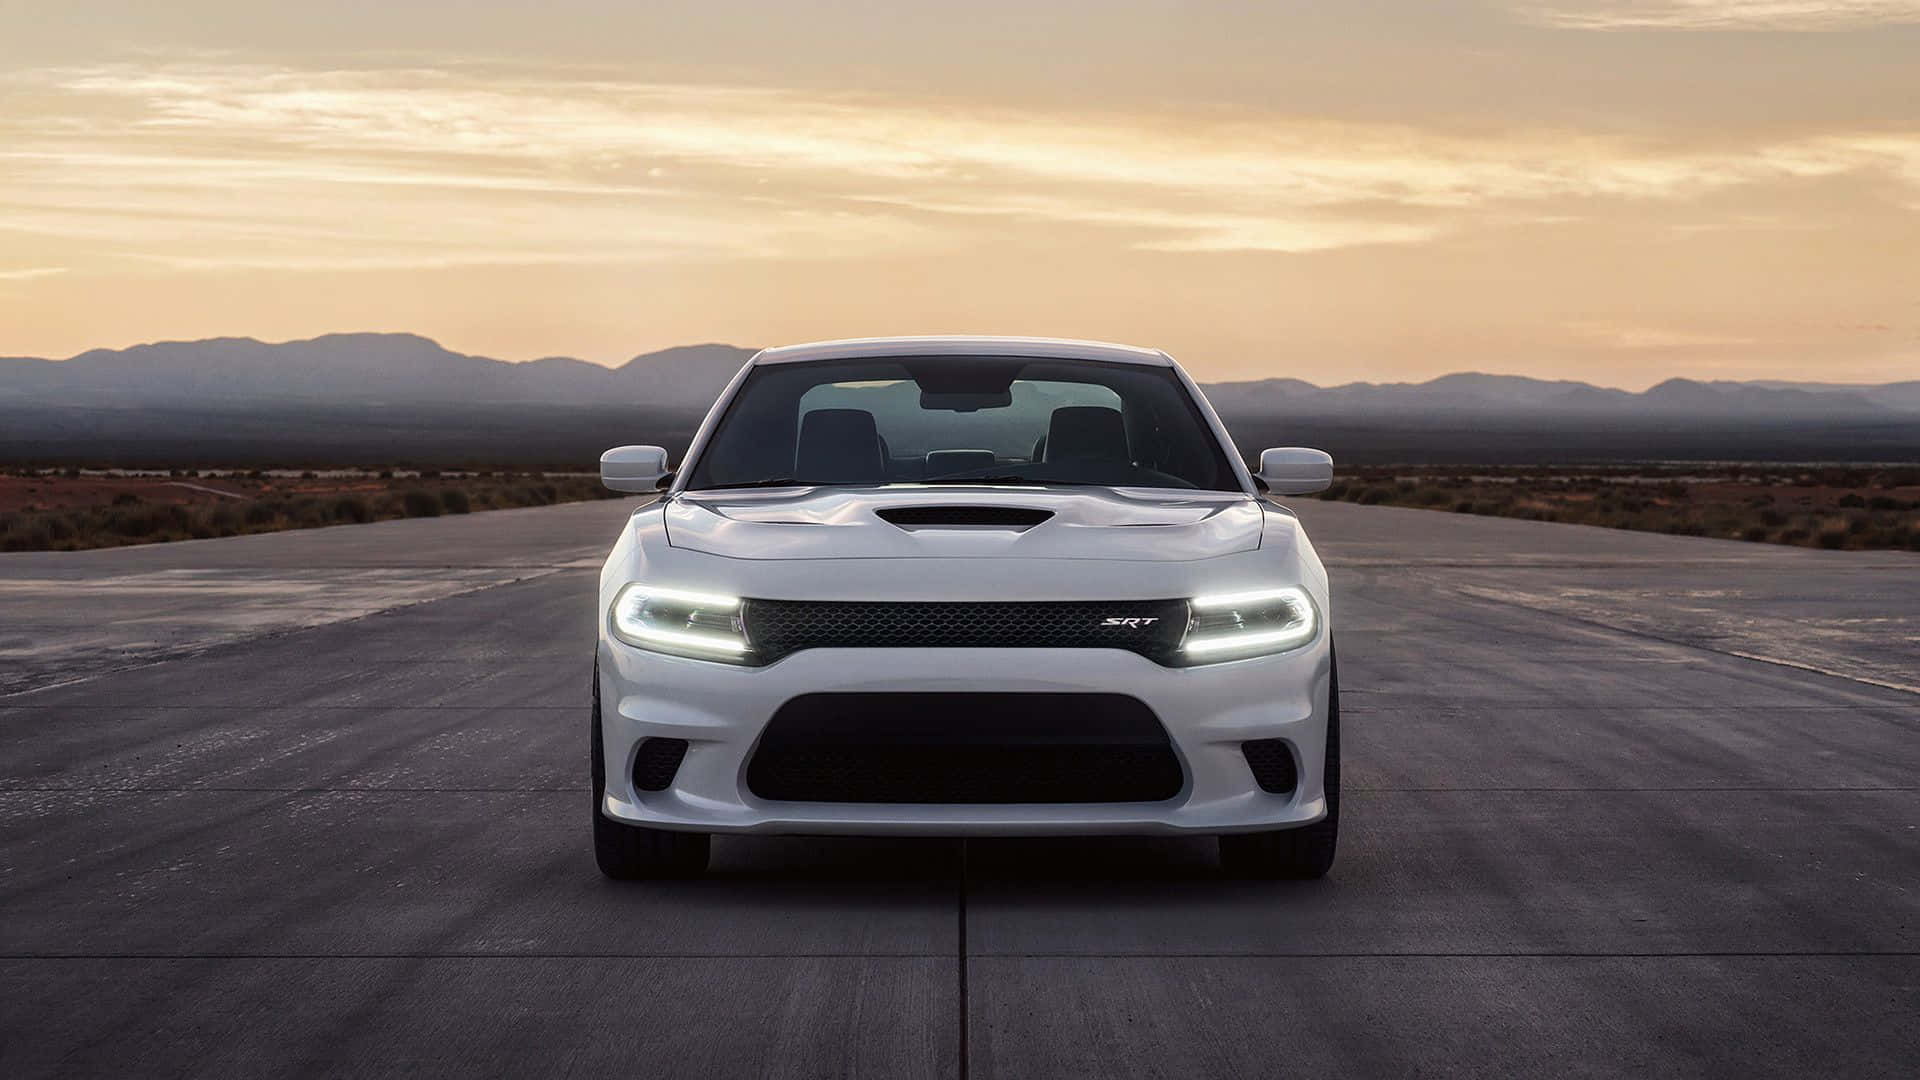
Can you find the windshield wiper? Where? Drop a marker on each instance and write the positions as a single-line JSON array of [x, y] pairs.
[[1010, 478], [771, 481]]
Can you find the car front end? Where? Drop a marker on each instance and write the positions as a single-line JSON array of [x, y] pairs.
[[967, 651]]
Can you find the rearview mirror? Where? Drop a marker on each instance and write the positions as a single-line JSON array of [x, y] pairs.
[[1295, 470], [634, 468]]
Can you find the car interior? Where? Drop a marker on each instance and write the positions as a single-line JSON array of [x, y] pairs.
[[844, 446]]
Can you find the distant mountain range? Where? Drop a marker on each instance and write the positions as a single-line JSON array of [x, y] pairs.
[[400, 398], [406, 369]]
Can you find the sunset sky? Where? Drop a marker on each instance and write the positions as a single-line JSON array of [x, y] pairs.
[[1387, 190]]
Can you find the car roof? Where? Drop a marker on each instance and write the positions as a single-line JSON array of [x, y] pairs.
[[964, 345]]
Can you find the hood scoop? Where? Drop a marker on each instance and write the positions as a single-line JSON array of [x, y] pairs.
[[1017, 518]]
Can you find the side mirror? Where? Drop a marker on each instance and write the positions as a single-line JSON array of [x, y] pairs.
[[634, 468], [1295, 470]]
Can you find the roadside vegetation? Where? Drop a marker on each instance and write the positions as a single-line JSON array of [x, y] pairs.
[[70, 509], [1824, 506]]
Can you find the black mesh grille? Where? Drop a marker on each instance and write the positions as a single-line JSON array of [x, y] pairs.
[[965, 748], [780, 627], [1272, 763], [656, 762]]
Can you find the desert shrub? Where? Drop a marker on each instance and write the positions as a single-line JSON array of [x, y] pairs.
[[353, 508], [261, 512], [454, 501], [23, 534], [1882, 502], [1754, 532], [125, 498], [420, 504], [1374, 496], [1851, 500], [134, 521], [309, 511], [1833, 536]]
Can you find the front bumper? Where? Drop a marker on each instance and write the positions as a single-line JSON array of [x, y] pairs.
[[721, 710]]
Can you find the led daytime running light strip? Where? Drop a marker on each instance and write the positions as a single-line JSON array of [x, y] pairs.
[[712, 642], [714, 601], [1242, 599]]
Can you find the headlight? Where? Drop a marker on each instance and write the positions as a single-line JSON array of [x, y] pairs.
[[1230, 626], [684, 623]]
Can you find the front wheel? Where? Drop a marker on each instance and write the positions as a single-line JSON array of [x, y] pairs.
[[1305, 852], [633, 852]]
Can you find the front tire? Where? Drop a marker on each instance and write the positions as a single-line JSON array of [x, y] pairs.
[[635, 852], [1306, 852]]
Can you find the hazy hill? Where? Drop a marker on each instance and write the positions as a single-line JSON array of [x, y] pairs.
[[1897, 395], [359, 369], [1473, 393]]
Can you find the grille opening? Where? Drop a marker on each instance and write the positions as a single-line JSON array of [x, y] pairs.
[[965, 748], [1000, 517], [1272, 763], [1151, 628], [656, 762]]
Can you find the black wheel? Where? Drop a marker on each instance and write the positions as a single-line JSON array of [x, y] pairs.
[[631, 852], [1305, 852]]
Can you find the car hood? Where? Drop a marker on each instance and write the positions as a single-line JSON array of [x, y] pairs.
[[929, 521]]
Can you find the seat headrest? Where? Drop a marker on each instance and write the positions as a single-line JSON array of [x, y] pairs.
[[839, 446], [1087, 432]]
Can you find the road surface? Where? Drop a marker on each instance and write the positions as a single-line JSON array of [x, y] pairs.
[[1616, 804]]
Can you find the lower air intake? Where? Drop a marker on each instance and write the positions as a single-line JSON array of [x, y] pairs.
[[965, 748], [656, 762], [1272, 763]]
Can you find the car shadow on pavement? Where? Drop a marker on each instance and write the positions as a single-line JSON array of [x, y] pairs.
[[984, 859]]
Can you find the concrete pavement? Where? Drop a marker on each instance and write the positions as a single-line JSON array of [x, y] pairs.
[[1616, 804]]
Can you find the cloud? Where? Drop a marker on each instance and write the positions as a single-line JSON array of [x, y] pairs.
[[1776, 15], [1617, 336], [31, 272], [208, 165]]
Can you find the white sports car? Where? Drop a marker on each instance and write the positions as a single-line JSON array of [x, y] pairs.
[[964, 586]]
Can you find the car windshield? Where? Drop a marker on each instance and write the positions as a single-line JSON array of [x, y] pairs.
[[963, 419]]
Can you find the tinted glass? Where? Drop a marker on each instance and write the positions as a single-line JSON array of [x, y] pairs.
[[961, 419]]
